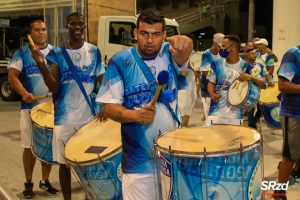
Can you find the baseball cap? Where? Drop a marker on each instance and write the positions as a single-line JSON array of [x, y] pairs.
[[218, 38], [262, 41]]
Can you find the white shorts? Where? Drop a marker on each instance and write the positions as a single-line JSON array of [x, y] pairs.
[[61, 135], [223, 120], [186, 101], [206, 105], [140, 187], [25, 128]]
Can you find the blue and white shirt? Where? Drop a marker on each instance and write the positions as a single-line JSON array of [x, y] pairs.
[[30, 76], [221, 71], [70, 105], [290, 70], [207, 58], [124, 83]]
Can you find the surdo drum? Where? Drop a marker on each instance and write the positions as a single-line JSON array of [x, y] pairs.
[[270, 106], [243, 94], [217, 162], [42, 121], [94, 154]]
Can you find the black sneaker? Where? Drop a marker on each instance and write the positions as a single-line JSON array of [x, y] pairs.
[[28, 192], [279, 195], [296, 173], [48, 187]]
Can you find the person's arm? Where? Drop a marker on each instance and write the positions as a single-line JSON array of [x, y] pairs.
[[13, 78], [271, 70], [288, 87], [212, 92], [180, 48], [121, 114], [51, 78], [247, 77]]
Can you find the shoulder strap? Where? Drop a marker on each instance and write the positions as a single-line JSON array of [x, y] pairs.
[[153, 83], [77, 79]]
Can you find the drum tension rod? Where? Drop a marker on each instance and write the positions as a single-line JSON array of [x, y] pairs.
[[206, 176], [242, 163]]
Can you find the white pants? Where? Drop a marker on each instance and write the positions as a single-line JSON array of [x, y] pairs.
[[186, 101], [61, 135], [140, 187], [206, 105], [25, 128], [223, 120]]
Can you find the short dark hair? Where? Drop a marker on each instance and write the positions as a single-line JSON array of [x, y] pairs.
[[235, 40], [35, 21], [151, 16], [77, 14]]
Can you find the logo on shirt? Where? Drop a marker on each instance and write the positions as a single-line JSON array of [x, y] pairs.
[[76, 57]]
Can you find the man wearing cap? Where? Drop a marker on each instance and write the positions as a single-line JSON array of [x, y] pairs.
[[265, 56], [208, 57]]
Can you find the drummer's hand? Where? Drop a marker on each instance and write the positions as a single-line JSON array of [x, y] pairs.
[[244, 77], [146, 114], [215, 97], [37, 55], [28, 98], [101, 117], [271, 84]]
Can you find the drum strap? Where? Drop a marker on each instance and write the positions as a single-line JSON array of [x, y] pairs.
[[153, 83], [77, 79]]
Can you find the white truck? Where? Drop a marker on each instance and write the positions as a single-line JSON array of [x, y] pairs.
[[110, 26]]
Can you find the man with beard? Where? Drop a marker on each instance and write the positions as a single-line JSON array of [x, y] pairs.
[[128, 88], [223, 72], [71, 108]]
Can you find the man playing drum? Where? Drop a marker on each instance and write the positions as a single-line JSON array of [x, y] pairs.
[[250, 56], [26, 79], [71, 109], [208, 56], [289, 85], [223, 72], [127, 90]]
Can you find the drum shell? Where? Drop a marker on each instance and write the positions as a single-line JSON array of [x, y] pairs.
[[184, 175], [102, 179], [42, 143]]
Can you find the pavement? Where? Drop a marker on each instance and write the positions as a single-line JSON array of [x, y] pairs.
[[11, 167]]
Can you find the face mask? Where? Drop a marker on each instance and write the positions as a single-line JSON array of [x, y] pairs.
[[257, 54], [223, 53]]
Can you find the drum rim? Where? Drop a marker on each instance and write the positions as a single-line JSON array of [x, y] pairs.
[[210, 153], [95, 160], [44, 127]]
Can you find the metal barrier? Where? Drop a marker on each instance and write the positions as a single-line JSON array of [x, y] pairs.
[[6, 194]]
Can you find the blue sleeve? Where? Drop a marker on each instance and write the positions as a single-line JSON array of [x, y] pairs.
[[99, 67], [288, 67]]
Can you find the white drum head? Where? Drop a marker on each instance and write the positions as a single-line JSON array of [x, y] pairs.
[[43, 114], [217, 138], [93, 141], [269, 95], [238, 92]]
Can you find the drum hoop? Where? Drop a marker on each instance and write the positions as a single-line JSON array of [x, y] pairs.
[[209, 154], [44, 127], [243, 99], [95, 160]]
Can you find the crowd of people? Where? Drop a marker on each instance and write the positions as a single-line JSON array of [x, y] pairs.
[[73, 71]]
